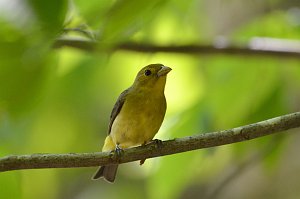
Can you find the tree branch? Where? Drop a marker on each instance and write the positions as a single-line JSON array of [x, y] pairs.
[[178, 145], [257, 46]]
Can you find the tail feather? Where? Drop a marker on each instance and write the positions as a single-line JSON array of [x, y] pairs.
[[107, 172]]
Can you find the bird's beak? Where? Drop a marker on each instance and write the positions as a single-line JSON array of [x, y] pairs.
[[164, 71]]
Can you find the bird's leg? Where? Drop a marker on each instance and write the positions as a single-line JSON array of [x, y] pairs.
[[143, 160], [158, 143], [117, 153]]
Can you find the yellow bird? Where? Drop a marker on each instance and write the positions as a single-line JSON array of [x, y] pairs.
[[137, 115]]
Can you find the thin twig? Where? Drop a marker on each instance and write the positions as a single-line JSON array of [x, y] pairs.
[[178, 145]]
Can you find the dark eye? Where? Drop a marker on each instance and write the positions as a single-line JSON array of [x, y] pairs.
[[147, 72]]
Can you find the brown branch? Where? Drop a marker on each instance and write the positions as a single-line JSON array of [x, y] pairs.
[[178, 145], [258, 46]]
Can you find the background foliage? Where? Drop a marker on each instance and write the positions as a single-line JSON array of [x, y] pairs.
[[59, 100]]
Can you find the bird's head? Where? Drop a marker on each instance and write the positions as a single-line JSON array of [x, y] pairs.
[[152, 76]]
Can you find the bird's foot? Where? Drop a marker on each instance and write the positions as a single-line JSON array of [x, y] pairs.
[[117, 153], [158, 143]]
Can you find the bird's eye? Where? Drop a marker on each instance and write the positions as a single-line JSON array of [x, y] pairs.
[[147, 72]]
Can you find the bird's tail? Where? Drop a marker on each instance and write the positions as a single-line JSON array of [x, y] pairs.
[[107, 172]]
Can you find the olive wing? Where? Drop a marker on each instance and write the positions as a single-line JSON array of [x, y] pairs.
[[117, 108]]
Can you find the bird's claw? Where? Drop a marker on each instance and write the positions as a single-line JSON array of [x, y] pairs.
[[117, 153], [158, 143]]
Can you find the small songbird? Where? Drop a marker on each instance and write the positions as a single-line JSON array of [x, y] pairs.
[[137, 115]]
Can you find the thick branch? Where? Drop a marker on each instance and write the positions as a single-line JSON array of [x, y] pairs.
[[178, 145], [258, 46]]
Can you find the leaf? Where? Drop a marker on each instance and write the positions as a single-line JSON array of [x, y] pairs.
[[92, 11], [50, 14], [125, 16], [23, 70]]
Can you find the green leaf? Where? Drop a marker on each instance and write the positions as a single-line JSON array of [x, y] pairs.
[[23, 70], [50, 14], [124, 18], [93, 11]]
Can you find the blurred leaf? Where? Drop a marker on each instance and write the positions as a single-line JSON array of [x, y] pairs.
[[275, 24], [93, 11], [50, 14], [120, 22], [23, 70], [178, 16]]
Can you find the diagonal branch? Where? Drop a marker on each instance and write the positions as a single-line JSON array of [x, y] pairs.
[[178, 145]]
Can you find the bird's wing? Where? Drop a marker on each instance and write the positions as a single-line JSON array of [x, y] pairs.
[[117, 108]]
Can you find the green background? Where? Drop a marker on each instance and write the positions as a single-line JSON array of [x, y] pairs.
[[59, 100]]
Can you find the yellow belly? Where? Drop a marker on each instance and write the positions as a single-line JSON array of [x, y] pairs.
[[137, 123]]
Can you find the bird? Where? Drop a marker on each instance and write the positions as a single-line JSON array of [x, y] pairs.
[[136, 116]]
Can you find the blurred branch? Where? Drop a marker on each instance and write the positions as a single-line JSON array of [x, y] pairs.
[[257, 46], [178, 145]]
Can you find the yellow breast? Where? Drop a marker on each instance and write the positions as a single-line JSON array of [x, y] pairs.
[[139, 119]]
